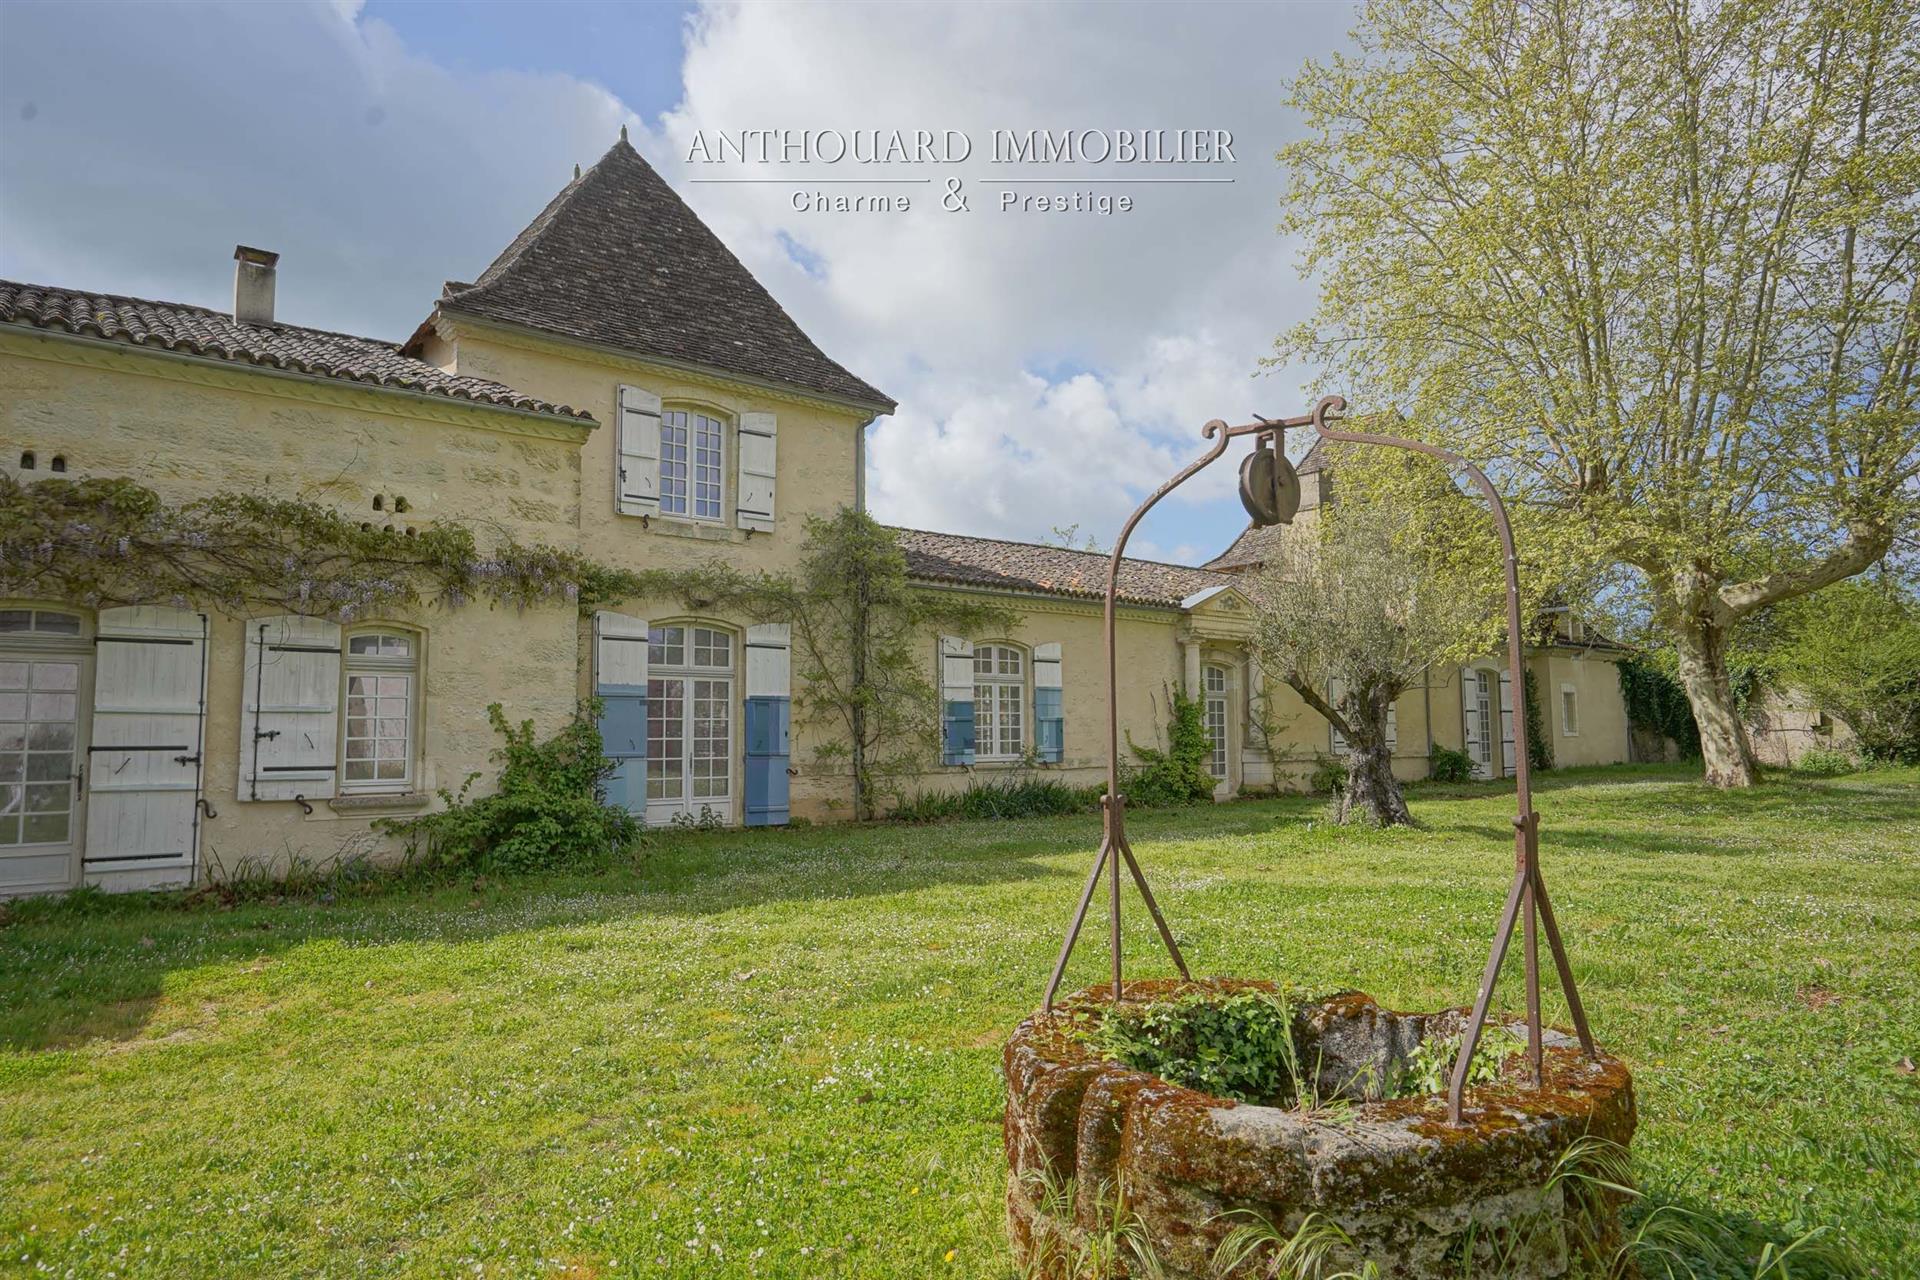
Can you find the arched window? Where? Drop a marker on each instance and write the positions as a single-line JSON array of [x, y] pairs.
[[999, 702], [382, 707], [692, 457]]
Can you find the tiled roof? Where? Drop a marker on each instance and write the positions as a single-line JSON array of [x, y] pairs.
[[1255, 546], [1027, 566], [617, 258], [198, 331]]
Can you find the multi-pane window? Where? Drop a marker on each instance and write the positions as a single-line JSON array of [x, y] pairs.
[[690, 449], [39, 723], [1569, 711], [1215, 681], [41, 622], [689, 714], [999, 697], [1486, 700], [383, 670]]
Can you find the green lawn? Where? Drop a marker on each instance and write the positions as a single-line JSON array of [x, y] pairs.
[[776, 1054]]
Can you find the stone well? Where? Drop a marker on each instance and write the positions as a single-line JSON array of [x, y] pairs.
[[1414, 1193]]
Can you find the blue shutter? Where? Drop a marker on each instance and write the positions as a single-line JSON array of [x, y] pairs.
[[1049, 704], [620, 683], [769, 709]]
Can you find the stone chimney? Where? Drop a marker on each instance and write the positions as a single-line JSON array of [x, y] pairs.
[[253, 285]]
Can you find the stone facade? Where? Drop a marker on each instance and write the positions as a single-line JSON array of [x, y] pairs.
[[188, 430]]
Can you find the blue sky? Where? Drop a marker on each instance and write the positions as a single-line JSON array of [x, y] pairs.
[[1051, 368]]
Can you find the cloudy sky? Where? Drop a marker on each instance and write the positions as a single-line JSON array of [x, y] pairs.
[[1051, 368]]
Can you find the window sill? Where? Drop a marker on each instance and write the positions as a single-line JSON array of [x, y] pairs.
[[700, 530], [380, 801]]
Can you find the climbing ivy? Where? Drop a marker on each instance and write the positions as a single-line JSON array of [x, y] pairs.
[[1177, 775], [110, 541], [1539, 745], [1655, 701]]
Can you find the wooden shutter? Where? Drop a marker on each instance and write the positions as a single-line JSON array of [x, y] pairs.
[[1506, 723], [636, 480], [290, 709], [956, 701], [753, 482], [769, 713], [1049, 704], [144, 764], [620, 683]]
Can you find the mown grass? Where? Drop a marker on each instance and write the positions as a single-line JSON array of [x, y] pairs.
[[776, 1054]]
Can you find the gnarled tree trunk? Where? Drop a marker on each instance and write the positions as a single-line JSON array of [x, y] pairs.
[[1725, 749], [1372, 793]]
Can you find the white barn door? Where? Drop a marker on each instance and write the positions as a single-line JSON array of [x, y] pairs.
[[143, 765]]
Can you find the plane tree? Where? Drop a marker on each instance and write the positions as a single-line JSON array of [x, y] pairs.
[[1651, 264]]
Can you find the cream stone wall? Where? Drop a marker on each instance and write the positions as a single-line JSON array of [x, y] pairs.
[[818, 446], [1147, 642], [188, 429], [1601, 710]]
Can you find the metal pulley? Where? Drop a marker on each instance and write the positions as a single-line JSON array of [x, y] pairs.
[[1269, 487]]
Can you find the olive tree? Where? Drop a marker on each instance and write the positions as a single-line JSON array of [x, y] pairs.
[[1653, 264], [1356, 601]]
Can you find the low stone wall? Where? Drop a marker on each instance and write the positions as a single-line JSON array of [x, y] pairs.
[[1416, 1195]]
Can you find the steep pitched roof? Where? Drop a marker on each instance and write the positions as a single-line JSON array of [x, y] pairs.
[[1061, 571], [617, 258], [1255, 546], [199, 331]]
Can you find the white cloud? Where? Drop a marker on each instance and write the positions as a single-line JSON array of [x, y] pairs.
[[1051, 368]]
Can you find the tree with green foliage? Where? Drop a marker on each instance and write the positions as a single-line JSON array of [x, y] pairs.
[[1357, 606], [1854, 648], [1653, 265]]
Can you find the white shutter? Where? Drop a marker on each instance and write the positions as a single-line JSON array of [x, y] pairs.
[[1470, 717], [753, 485], [619, 650], [290, 709], [1506, 723], [144, 763], [636, 478], [769, 660], [956, 669]]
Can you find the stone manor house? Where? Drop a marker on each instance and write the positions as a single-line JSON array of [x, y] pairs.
[[616, 382]]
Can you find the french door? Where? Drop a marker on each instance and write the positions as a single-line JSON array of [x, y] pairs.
[[42, 724], [689, 724], [1485, 705]]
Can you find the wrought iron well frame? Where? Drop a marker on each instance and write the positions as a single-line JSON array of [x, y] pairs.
[[1526, 896]]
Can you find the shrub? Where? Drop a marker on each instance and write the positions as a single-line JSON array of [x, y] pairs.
[[1329, 775], [548, 811], [1825, 762], [1178, 775], [1448, 765], [1016, 796]]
